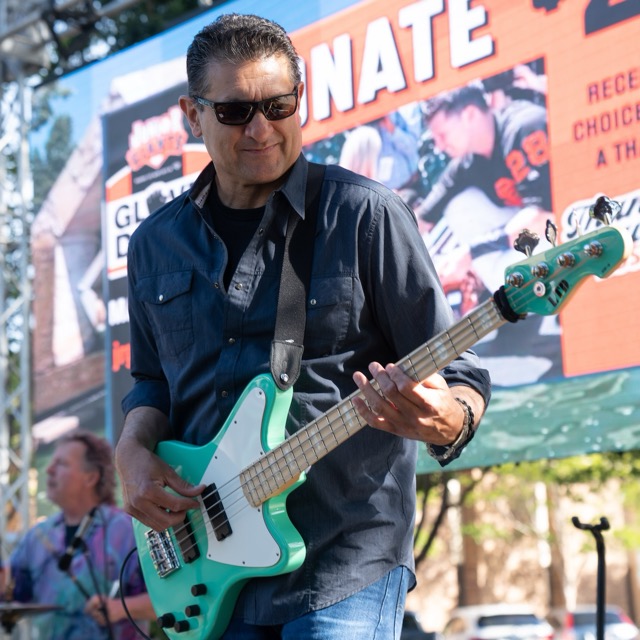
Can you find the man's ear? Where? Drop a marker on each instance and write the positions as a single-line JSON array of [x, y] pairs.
[[93, 478], [470, 114], [192, 113]]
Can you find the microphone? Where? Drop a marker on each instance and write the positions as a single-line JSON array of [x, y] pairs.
[[65, 560]]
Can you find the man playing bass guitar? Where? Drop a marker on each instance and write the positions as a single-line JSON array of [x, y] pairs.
[[204, 274]]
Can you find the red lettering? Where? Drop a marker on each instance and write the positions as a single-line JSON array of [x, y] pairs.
[[120, 356], [507, 192]]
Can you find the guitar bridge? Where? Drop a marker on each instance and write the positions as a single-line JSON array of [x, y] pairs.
[[163, 551]]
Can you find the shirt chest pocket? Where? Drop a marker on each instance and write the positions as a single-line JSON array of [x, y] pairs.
[[328, 314], [169, 304]]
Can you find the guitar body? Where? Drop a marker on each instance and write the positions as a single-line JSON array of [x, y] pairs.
[[262, 540]]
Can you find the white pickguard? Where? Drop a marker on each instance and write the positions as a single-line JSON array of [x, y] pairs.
[[251, 543]]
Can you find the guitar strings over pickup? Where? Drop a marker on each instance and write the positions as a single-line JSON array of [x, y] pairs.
[[216, 513]]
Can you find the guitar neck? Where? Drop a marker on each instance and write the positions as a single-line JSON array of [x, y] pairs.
[[278, 468]]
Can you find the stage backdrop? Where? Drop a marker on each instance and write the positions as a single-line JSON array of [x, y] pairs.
[[563, 385]]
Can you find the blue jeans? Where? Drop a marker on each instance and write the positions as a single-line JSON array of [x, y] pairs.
[[375, 613]]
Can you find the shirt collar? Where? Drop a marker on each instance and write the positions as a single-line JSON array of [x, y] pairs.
[[201, 187], [293, 189]]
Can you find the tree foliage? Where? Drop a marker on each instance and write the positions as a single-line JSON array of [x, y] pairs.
[[514, 482], [92, 34], [146, 19], [48, 167]]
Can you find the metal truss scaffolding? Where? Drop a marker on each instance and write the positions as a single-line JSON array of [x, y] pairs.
[[31, 35], [27, 37], [15, 295]]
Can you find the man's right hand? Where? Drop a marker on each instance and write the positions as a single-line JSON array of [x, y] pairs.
[[153, 492]]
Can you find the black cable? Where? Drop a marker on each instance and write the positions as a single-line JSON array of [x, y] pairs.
[[92, 573], [96, 586], [124, 604]]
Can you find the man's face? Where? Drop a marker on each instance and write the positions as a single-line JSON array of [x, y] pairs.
[[451, 133], [68, 477], [250, 159]]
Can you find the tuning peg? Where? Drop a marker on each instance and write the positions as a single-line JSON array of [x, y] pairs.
[[604, 209], [551, 233], [526, 242]]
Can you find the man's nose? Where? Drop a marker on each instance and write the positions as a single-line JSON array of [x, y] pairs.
[[259, 128]]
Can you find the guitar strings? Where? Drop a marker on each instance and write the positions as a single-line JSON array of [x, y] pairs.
[[422, 362]]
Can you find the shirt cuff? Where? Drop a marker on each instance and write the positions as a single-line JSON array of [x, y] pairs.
[[148, 393]]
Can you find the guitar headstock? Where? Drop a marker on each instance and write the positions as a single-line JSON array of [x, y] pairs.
[[544, 282]]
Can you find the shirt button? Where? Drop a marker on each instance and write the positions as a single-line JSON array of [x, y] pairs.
[[239, 286], [232, 340], [216, 285], [160, 298], [313, 302], [225, 394]]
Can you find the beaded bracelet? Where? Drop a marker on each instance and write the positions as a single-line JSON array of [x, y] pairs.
[[463, 436]]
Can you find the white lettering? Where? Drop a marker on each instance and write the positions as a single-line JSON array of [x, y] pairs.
[[118, 311], [462, 21], [419, 16], [381, 66], [330, 71], [332, 77], [124, 215]]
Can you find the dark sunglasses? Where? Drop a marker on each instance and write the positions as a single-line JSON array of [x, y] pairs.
[[237, 113]]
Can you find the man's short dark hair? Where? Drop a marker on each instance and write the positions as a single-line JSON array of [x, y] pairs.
[[235, 38], [455, 101]]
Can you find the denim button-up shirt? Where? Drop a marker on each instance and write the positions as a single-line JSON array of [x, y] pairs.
[[374, 295]]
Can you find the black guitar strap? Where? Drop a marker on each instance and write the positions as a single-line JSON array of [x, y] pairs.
[[291, 316]]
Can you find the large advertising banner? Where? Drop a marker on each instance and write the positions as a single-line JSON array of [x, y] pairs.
[[565, 102], [557, 87], [150, 158], [543, 116]]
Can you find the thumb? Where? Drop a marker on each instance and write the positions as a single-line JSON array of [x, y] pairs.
[[182, 486], [434, 381]]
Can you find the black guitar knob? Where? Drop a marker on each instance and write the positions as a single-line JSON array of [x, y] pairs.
[[198, 589], [181, 626], [192, 610], [166, 620]]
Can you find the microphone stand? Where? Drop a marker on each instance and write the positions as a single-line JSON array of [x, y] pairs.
[[87, 595], [103, 603], [103, 606], [77, 583]]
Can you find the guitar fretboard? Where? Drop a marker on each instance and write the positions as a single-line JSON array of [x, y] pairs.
[[280, 467]]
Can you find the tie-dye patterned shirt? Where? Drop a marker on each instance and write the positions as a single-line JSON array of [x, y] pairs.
[[95, 567]]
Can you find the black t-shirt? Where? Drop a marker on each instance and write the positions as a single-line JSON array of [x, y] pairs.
[[235, 227]]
